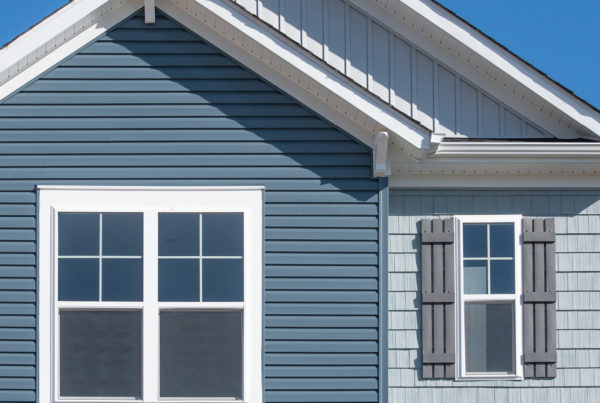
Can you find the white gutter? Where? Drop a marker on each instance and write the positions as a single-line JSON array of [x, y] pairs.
[[518, 149]]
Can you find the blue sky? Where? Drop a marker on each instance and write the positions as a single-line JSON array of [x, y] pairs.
[[561, 38]]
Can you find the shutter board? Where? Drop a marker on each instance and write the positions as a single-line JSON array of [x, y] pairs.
[[539, 302], [437, 302]]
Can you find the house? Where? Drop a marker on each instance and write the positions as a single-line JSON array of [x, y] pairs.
[[292, 201]]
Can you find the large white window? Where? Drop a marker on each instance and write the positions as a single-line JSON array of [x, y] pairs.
[[489, 330], [150, 294]]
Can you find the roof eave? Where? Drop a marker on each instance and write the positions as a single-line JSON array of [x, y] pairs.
[[501, 68]]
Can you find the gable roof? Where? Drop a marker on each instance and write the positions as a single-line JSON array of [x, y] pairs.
[[311, 81], [452, 37]]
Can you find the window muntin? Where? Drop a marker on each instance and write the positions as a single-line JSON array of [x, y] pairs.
[[200, 257], [489, 307], [236, 291], [100, 256]]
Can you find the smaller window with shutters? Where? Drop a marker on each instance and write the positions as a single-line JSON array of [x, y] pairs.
[[489, 308]]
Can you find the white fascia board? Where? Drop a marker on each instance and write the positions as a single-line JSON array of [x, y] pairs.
[[110, 12], [453, 160], [519, 148], [502, 59], [51, 27], [294, 71], [491, 181]]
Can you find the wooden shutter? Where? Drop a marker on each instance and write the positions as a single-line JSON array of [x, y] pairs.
[[539, 298], [437, 286]]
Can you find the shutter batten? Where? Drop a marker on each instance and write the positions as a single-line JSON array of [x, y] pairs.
[[437, 264], [539, 298]]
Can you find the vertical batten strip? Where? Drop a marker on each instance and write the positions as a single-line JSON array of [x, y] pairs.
[[540, 311], [425, 290], [450, 324], [528, 369], [551, 307], [438, 309]]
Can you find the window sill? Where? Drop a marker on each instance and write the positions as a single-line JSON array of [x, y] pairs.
[[482, 377]]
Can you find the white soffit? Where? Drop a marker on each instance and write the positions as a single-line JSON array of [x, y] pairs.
[[487, 64]]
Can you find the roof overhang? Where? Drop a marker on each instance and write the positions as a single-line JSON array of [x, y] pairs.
[[502, 164], [489, 65], [238, 34]]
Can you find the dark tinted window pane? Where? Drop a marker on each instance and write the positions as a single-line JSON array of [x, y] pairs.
[[475, 276], [223, 234], [179, 280], [178, 234], [122, 234], [502, 276], [502, 240], [78, 234], [100, 353], [475, 240], [78, 279], [201, 354], [489, 337], [222, 280], [122, 279]]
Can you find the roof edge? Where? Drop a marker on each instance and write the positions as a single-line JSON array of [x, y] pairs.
[[522, 72]]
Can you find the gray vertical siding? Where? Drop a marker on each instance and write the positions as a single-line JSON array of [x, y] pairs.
[[155, 105], [388, 66], [577, 218]]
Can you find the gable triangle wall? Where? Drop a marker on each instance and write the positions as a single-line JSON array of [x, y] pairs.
[[393, 69]]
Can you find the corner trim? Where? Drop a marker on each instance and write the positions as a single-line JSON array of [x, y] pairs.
[[384, 197]]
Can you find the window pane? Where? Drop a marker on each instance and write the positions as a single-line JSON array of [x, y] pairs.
[[78, 279], [502, 276], [78, 234], [223, 234], [122, 234], [201, 354], [122, 279], [475, 276], [489, 337], [475, 240], [502, 240], [222, 280], [178, 234], [100, 353], [179, 280]]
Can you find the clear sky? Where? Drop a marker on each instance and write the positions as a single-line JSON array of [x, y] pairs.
[[561, 38]]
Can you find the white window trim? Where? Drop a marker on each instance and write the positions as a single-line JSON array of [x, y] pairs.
[[517, 298], [248, 200]]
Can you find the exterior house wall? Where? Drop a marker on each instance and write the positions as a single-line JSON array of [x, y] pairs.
[[392, 68], [155, 105], [577, 220]]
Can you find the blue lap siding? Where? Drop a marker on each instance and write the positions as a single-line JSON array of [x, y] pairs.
[[155, 105]]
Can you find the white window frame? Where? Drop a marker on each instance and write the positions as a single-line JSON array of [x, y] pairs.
[[150, 201], [462, 299]]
